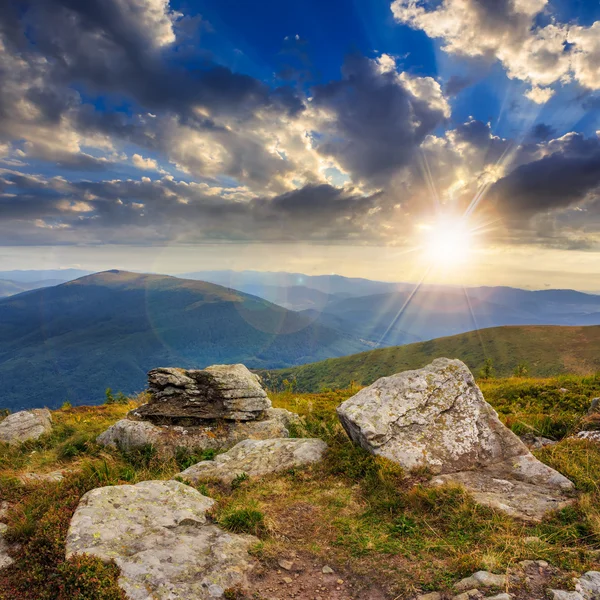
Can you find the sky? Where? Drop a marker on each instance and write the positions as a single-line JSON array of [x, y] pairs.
[[442, 140]]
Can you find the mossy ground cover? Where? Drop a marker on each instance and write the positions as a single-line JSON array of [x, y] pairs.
[[359, 513]]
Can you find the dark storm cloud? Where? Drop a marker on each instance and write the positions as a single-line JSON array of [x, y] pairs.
[[143, 211], [541, 132], [378, 121], [113, 46], [558, 180]]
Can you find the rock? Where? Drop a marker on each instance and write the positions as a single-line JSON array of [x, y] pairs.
[[430, 596], [503, 596], [588, 585], [531, 539], [256, 458], [288, 565], [219, 392], [158, 534], [4, 508], [479, 580], [534, 442], [468, 595], [129, 434], [592, 436], [25, 425], [327, 570], [437, 418], [53, 476], [563, 595], [5, 559], [594, 406]]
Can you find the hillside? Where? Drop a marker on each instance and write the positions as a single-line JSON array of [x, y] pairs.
[[385, 534], [11, 288], [72, 341], [546, 350]]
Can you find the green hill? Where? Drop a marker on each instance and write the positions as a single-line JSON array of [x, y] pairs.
[[546, 350], [72, 341]]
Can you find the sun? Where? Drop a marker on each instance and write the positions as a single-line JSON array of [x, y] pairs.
[[447, 242]]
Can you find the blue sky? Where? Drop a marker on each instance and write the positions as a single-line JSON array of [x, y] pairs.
[[330, 130]]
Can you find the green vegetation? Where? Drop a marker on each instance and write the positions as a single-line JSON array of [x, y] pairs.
[[543, 351], [354, 510], [74, 339]]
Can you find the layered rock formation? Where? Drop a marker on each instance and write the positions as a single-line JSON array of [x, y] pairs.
[[229, 392], [257, 457], [158, 534], [212, 408], [437, 418], [25, 425]]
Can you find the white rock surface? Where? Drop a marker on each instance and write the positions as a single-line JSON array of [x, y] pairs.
[[592, 436], [481, 579], [25, 425], [256, 458], [129, 433], [158, 534], [5, 559], [436, 417]]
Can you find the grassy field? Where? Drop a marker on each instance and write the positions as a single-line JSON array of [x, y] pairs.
[[363, 515], [544, 351]]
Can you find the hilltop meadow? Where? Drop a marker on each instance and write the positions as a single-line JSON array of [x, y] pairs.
[[372, 522]]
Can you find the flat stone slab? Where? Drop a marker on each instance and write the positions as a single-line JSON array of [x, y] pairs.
[[524, 488], [25, 425], [158, 534], [256, 458], [437, 418], [129, 434], [217, 392]]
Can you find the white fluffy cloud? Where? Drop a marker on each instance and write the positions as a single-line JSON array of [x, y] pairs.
[[506, 30]]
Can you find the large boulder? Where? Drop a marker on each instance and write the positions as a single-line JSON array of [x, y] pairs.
[[256, 458], [158, 534], [25, 425], [218, 392], [128, 434], [437, 418]]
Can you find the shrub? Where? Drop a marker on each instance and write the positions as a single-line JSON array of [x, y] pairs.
[[85, 577], [243, 520], [119, 398]]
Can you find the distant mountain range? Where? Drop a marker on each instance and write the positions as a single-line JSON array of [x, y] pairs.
[[72, 341], [544, 350], [386, 314]]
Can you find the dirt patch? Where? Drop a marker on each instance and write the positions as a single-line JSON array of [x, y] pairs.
[[304, 578]]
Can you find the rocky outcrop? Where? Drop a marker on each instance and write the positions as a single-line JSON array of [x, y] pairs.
[[255, 458], [129, 434], [212, 408], [592, 436], [25, 425], [229, 392], [158, 534], [437, 418]]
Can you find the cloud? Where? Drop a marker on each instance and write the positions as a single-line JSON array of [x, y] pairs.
[[509, 31], [567, 173], [374, 119], [144, 163]]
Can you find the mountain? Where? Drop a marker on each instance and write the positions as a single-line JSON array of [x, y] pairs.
[[72, 341], [545, 350], [328, 284], [55, 275], [386, 314]]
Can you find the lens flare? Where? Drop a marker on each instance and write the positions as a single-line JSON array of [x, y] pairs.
[[447, 242]]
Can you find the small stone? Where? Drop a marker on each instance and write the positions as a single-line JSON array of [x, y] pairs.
[[5, 559], [327, 570], [481, 579], [532, 539], [430, 596], [285, 564], [340, 581], [503, 596], [468, 595], [288, 580]]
